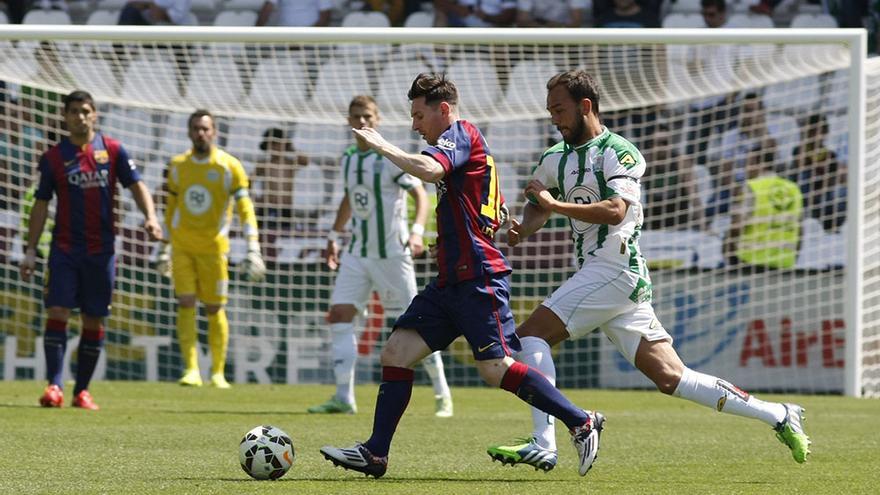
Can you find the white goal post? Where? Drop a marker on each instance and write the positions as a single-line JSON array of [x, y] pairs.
[[682, 95]]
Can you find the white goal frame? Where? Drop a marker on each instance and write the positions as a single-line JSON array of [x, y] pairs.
[[854, 39]]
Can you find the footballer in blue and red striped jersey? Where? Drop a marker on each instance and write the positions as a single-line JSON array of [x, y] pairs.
[[471, 294], [468, 204], [81, 171], [84, 180]]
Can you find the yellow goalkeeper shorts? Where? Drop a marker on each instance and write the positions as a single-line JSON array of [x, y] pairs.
[[205, 275]]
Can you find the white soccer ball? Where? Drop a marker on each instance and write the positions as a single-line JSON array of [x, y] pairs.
[[266, 453]]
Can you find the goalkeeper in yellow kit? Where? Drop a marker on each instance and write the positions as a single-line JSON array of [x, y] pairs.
[[202, 184]]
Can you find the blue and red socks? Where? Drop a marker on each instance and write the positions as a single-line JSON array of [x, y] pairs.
[[394, 394], [54, 347], [90, 343], [531, 386]]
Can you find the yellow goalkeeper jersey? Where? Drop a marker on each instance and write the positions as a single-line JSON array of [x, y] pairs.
[[200, 198]]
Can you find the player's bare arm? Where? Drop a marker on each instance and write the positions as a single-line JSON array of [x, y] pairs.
[[417, 165], [144, 202], [416, 236], [534, 217], [343, 215], [39, 213], [608, 211]]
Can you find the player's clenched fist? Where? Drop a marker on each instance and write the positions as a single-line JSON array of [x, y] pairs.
[[536, 191]]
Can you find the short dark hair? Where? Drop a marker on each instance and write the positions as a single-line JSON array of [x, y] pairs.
[[579, 84], [361, 101], [78, 96], [434, 87], [721, 5], [201, 112]]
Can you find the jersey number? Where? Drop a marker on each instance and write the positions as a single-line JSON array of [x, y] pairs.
[[490, 208]]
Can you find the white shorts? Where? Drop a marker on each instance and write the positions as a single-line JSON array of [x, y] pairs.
[[393, 278], [598, 296]]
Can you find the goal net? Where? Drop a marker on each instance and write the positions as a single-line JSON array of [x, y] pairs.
[[709, 111]]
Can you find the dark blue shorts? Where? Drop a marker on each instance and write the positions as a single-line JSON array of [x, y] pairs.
[[479, 309], [83, 281]]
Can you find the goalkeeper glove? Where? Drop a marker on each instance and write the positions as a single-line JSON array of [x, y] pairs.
[[162, 261], [253, 266]]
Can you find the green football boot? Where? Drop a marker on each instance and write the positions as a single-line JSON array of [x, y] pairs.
[[527, 451], [790, 431]]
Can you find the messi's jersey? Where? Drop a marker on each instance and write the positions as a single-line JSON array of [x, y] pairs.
[[84, 181], [204, 192], [605, 167], [468, 202], [376, 194]]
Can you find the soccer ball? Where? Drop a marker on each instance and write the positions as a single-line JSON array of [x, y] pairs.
[[265, 453]]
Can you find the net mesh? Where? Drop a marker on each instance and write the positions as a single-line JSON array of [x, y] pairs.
[[702, 114]]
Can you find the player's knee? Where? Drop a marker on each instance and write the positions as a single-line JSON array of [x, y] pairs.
[[58, 313], [212, 309], [341, 313], [187, 301]]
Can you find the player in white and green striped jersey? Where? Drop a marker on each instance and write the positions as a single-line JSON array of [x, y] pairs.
[[593, 178], [378, 256]]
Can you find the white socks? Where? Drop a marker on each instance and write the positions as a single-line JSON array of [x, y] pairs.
[[724, 397], [536, 353], [344, 357], [434, 367]]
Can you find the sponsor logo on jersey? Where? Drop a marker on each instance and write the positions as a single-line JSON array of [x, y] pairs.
[[101, 156], [581, 195], [627, 159], [446, 144], [197, 199], [89, 180], [576, 171]]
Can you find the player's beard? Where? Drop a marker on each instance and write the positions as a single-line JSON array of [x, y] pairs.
[[577, 134]]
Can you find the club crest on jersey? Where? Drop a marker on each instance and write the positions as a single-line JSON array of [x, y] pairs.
[[360, 198], [197, 199], [101, 156], [627, 159], [445, 144], [213, 175]]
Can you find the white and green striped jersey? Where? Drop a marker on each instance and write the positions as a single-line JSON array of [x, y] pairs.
[[376, 191], [605, 167]]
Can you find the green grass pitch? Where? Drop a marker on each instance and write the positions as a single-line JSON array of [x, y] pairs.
[[162, 438]]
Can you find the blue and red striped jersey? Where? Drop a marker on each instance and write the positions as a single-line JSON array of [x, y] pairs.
[[84, 180], [468, 203]]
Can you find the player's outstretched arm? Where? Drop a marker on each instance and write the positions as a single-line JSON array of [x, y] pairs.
[[415, 164], [343, 215], [36, 222], [144, 202]]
